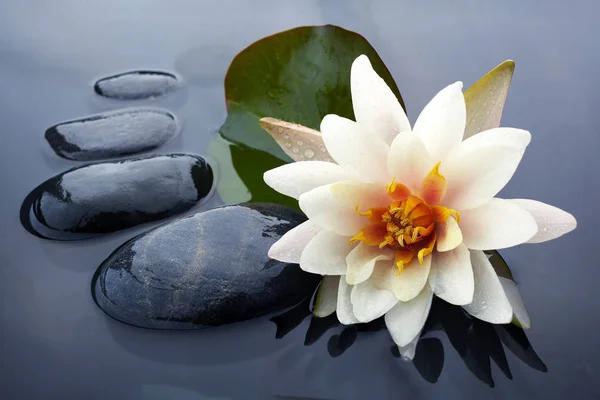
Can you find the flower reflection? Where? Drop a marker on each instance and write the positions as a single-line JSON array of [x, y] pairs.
[[477, 342]]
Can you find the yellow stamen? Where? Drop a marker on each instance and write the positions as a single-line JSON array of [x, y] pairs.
[[406, 225], [402, 258], [388, 240], [425, 251], [375, 215], [371, 234]]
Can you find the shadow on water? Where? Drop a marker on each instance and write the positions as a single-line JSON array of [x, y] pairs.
[[477, 342]]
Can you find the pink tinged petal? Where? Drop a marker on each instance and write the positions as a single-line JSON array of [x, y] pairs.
[[441, 124], [291, 245], [293, 179], [286, 133], [451, 276], [496, 225], [409, 161], [375, 105], [489, 303], [552, 222], [370, 303], [448, 234], [516, 302], [411, 280], [406, 320], [333, 206], [344, 310], [351, 146], [327, 294], [326, 254], [361, 262], [482, 165]]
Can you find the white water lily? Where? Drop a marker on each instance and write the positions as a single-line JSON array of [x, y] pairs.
[[405, 213]]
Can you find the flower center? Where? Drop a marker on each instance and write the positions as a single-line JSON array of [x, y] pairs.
[[406, 225]]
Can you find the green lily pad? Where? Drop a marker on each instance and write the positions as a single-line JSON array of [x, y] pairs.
[[239, 173], [299, 75]]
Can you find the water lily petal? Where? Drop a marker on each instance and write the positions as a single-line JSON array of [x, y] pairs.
[[441, 124], [382, 274], [552, 222], [299, 142], [485, 99], [496, 225], [375, 105], [516, 302], [326, 254], [409, 283], [409, 161], [489, 303], [451, 276], [291, 245], [361, 261], [351, 146], [449, 236], [370, 303], [408, 352], [406, 320], [482, 165], [333, 207], [296, 178], [326, 299], [344, 309], [434, 185]]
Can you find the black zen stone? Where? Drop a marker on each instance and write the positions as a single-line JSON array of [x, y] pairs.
[[136, 85], [205, 270], [106, 197], [112, 134]]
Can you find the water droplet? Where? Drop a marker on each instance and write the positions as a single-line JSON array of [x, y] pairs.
[[295, 150], [288, 144], [286, 136], [323, 149], [308, 153], [299, 142], [313, 141], [544, 229]]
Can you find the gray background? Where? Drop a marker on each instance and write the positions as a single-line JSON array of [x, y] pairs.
[[56, 344]]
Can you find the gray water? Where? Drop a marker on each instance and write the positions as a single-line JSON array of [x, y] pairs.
[[55, 343]]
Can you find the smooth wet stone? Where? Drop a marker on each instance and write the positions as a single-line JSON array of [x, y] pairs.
[[205, 270], [106, 197], [136, 85], [112, 134]]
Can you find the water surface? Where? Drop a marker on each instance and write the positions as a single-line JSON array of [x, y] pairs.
[[55, 343]]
